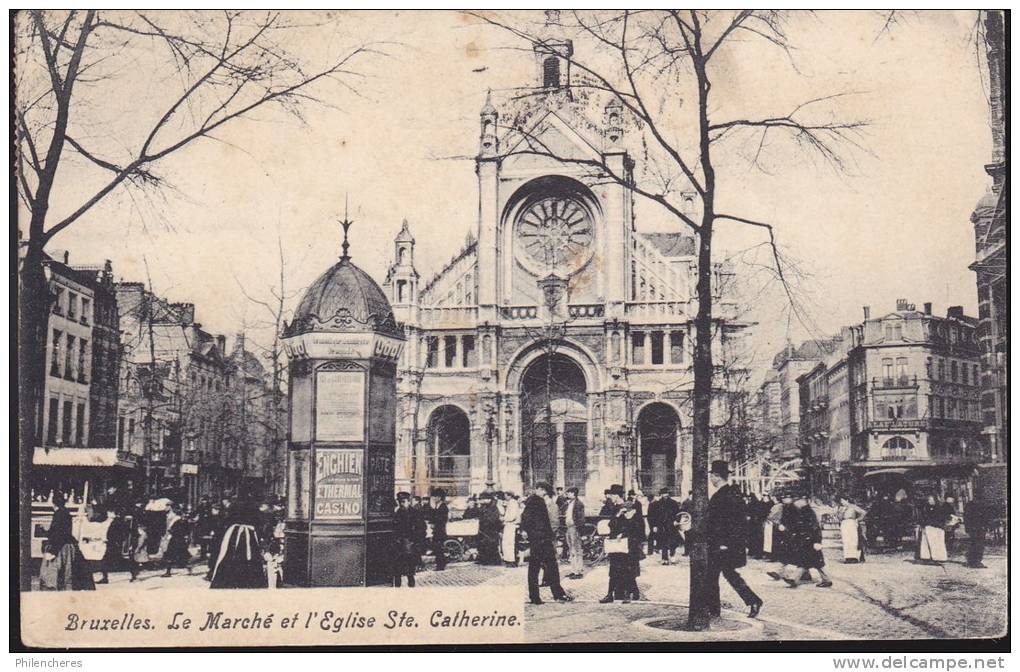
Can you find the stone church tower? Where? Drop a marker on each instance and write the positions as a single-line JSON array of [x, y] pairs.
[[556, 344]]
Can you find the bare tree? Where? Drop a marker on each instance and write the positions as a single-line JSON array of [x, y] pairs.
[[275, 314], [224, 67], [660, 67]]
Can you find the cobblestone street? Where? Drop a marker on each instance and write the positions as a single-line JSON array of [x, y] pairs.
[[888, 597]]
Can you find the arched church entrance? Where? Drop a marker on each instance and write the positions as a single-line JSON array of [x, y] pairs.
[[658, 425], [554, 423], [449, 450]]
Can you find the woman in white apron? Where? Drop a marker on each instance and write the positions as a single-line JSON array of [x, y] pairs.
[[931, 538], [850, 516], [511, 518]]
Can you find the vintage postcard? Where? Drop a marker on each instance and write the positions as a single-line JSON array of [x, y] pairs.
[[436, 328]]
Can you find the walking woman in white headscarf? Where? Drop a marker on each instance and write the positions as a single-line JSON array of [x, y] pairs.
[[239, 562]]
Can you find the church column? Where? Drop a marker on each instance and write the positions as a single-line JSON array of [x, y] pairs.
[[561, 471], [487, 168]]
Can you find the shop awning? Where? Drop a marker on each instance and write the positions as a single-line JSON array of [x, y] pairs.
[[76, 457], [879, 472]]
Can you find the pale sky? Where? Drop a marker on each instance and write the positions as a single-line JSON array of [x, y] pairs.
[[897, 227]]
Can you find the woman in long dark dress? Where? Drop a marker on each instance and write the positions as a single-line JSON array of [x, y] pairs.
[[803, 545], [179, 531], [239, 561], [114, 558], [63, 566], [624, 568]]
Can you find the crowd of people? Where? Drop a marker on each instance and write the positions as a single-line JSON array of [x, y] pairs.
[[238, 541]]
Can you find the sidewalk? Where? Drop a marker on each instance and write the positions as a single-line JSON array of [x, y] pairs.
[[888, 597]]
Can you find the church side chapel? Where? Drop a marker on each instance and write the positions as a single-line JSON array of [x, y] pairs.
[[557, 344]]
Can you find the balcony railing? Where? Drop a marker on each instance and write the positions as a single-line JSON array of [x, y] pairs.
[[657, 311], [448, 317], [894, 382], [519, 312], [586, 310]]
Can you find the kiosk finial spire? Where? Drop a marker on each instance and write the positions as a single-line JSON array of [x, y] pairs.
[[346, 223]]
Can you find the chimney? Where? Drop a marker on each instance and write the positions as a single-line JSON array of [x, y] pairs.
[[221, 343], [927, 307], [901, 304], [67, 257], [239, 342], [867, 312], [955, 312]]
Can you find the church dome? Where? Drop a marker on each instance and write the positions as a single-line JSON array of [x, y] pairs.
[[343, 299]]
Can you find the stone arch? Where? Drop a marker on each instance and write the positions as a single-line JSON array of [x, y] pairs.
[[554, 422], [448, 449], [575, 351], [658, 428]]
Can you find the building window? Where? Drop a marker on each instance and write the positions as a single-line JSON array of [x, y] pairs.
[[676, 347], [965, 374], [897, 448], [657, 347], [887, 371], [58, 300], [79, 438], [551, 72], [638, 348], [65, 430], [449, 351], [942, 369], [953, 373], [120, 433], [977, 377], [401, 291], [901, 370], [82, 348], [51, 421], [469, 358], [469, 290], [55, 355], [432, 352], [86, 310], [68, 355]]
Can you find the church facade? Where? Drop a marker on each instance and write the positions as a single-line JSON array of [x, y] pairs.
[[556, 345]]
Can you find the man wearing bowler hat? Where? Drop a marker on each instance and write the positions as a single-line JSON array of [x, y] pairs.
[[439, 515], [538, 530], [726, 527]]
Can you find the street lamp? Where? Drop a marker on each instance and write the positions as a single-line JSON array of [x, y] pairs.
[[490, 436]]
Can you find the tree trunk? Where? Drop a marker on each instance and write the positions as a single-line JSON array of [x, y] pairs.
[[33, 325], [698, 616]]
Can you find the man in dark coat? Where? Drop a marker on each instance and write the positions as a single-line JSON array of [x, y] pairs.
[[726, 527], [490, 525], [654, 523], [409, 534], [537, 529], [976, 517], [666, 533], [439, 515], [613, 502]]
